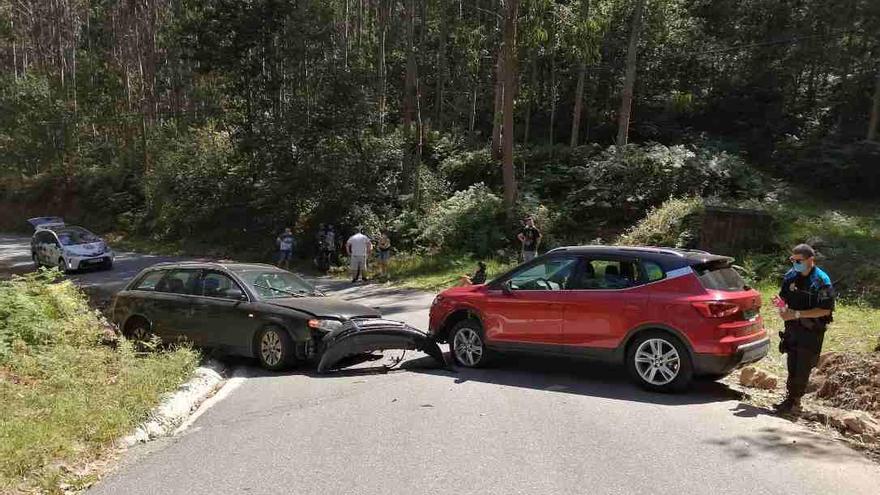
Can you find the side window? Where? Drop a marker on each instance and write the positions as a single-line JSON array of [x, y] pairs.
[[598, 274], [215, 284], [653, 271], [150, 280], [179, 282], [549, 274]]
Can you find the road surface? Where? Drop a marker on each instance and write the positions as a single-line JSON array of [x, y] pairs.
[[527, 426]]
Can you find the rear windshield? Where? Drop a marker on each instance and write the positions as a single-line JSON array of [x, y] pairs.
[[720, 277]]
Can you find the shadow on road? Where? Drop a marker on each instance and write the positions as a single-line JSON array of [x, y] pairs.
[[784, 442]]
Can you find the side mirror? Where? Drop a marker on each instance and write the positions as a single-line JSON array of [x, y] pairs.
[[236, 294], [507, 288]]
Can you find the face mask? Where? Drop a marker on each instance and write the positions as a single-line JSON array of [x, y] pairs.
[[800, 266]]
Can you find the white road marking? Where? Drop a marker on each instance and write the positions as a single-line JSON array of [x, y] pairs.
[[238, 377]]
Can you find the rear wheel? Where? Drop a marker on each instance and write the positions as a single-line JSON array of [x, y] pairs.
[[138, 331], [275, 349], [468, 345], [36, 259], [659, 362]]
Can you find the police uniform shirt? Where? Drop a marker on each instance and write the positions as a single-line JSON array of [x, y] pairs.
[[811, 291]]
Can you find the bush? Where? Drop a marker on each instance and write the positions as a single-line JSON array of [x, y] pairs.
[[841, 170], [471, 221], [675, 223]]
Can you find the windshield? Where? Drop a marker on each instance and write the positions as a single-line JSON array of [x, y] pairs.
[[276, 284], [74, 236]]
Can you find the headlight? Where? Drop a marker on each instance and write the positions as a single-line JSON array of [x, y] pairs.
[[325, 325]]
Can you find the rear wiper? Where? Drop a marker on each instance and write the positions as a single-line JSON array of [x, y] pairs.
[[300, 293]]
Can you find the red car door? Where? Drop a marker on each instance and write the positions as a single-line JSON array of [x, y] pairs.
[[606, 300], [529, 309]]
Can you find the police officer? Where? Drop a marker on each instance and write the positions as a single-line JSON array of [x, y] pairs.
[[809, 302]]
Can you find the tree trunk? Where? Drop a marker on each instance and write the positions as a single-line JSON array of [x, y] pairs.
[[534, 84], [875, 112], [510, 71], [441, 69], [499, 101], [409, 99], [552, 95], [578, 105], [382, 16], [630, 77]]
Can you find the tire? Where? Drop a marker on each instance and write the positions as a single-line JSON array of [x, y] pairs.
[[274, 348], [107, 265], [37, 263], [62, 266], [646, 365], [467, 344], [138, 331]]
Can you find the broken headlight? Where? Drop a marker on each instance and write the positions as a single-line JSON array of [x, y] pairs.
[[325, 325]]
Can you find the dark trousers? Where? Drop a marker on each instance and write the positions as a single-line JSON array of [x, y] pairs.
[[803, 344]]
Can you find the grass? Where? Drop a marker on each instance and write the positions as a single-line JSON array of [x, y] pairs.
[[64, 397], [433, 273]]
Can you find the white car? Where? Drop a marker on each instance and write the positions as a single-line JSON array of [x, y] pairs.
[[67, 247]]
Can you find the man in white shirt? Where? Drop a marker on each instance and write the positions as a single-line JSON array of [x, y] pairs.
[[358, 247]]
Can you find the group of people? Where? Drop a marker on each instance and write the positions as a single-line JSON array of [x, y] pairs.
[[358, 247]]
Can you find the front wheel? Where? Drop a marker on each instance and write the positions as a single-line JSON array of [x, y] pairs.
[[274, 349], [62, 266], [659, 362], [468, 345]]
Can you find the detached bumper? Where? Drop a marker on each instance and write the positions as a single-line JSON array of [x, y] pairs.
[[722, 364]]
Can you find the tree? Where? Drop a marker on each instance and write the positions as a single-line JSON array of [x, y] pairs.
[[509, 82], [875, 112], [629, 80]]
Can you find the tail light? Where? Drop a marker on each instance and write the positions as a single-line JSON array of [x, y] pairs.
[[716, 309]]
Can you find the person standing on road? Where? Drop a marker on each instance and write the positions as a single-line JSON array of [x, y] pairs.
[[529, 238], [806, 302], [383, 252], [285, 243], [359, 248]]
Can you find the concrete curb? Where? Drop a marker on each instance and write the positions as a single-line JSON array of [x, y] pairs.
[[178, 405]]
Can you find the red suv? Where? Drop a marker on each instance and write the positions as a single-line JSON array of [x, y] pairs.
[[668, 314]]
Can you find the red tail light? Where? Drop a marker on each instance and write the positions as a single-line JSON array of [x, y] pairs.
[[716, 309]]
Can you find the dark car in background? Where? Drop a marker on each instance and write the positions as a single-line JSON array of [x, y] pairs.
[[250, 310]]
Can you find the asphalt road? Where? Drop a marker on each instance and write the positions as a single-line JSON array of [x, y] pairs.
[[527, 426]]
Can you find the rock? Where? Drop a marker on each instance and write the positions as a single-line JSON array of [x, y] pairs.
[[861, 422], [765, 381], [747, 376], [826, 358], [828, 389]]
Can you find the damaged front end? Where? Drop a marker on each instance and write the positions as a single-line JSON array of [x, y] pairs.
[[359, 337]]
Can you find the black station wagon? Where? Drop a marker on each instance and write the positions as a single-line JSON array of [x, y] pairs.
[[251, 310]]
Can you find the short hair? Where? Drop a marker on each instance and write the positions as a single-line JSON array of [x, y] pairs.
[[804, 250]]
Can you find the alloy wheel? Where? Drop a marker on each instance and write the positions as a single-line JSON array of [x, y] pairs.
[[657, 361], [468, 347], [271, 348]]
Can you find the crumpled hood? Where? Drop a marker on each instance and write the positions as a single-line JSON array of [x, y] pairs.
[[91, 249], [328, 307]]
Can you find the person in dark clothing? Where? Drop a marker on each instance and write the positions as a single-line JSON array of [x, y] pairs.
[[808, 297], [529, 237], [479, 276]]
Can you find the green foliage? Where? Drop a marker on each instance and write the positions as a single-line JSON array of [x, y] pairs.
[[471, 221], [675, 223], [65, 398]]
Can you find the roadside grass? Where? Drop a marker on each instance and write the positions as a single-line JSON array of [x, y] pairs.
[[64, 397], [433, 273]]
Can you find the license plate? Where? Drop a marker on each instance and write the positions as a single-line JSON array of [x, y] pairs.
[[750, 314]]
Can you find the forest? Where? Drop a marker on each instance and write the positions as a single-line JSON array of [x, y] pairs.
[[442, 121]]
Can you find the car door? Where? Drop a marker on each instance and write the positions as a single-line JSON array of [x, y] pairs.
[[524, 310], [174, 299], [606, 299], [49, 249], [222, 315]]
